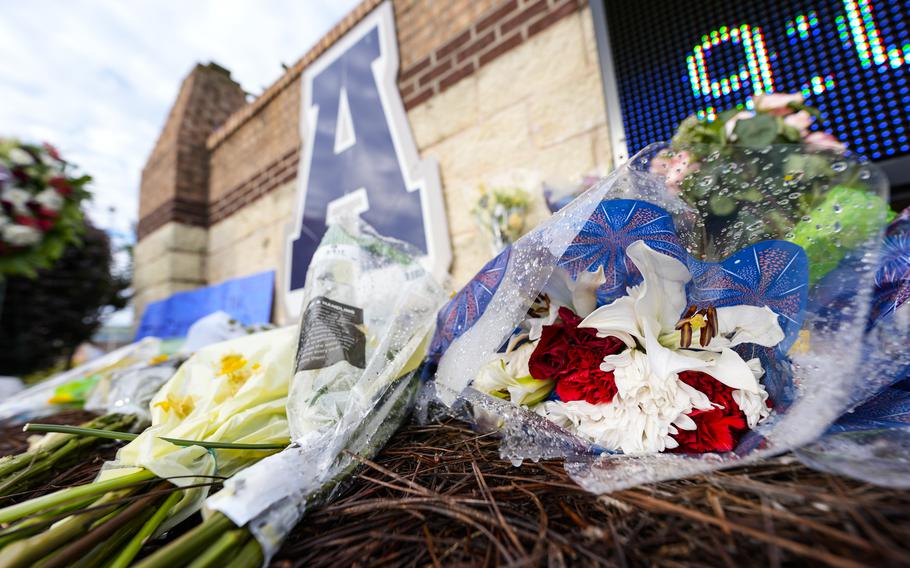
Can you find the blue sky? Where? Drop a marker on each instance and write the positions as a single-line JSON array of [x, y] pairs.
[[96, 78]]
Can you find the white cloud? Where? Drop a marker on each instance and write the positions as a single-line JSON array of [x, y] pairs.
[[97, 77]]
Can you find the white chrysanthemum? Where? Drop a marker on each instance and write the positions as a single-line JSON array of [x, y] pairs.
[[49, 199], [21, 235], [17, 197], [20, 157]]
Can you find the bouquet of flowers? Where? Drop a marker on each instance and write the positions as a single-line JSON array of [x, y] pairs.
[[71, 388], [223, 410], [368, 314], [40, 207], [614, 337], [738, 170], [501, 213]]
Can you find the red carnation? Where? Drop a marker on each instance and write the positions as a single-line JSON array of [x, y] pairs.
[[43, 225], [718, 429], [61, 185], [571, 356]]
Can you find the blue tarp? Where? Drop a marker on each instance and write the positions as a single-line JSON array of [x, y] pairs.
[[247, 299]]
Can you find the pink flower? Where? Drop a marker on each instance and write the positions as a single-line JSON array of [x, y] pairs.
[[801, 121], [674, 167], [731, 124], [777, 104], [824, 140], [52, 151]]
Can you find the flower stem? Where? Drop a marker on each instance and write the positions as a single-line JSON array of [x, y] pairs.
[[108, 549], [98, 534], [250, 556], [34, 525], [28, 552], [129, 552], [187, 547], [32, 506], [27, 470], [217, 554], [225, 445], [80, 431]]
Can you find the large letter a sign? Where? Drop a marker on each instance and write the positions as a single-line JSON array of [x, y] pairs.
[[359, 156]]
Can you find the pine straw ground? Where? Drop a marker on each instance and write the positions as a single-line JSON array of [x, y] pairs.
[[439, 495]]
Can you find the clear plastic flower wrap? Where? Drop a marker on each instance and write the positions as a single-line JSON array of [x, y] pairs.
[[130, 390], [70, 388], [668, 323], [871, 441], [369, 310]]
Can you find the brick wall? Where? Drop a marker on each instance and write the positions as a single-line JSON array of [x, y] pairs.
[[175, 179], [502, 29]]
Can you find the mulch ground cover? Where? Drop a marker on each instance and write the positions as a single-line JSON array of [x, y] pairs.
[[439, 495]]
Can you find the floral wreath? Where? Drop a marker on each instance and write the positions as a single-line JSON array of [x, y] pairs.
[[40, 212]]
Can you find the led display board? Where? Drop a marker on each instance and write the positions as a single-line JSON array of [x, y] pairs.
[[850, 58]]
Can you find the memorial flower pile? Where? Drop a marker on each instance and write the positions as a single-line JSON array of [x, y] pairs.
[[224, 409], [40, 210]]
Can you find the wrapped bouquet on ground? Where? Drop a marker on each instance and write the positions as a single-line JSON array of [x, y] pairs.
[[368, 309], [117, 387], [640, 338], [223, 410]]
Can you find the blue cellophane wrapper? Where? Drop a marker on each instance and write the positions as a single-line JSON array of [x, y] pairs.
[[871, 441], [734, 263]]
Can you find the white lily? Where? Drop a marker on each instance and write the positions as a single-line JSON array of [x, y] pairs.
[[651, 402], [507, 376]]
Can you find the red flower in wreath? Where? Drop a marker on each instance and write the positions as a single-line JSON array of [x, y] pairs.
[[52, 151], [718, 429], [60, 184], [572, 356]]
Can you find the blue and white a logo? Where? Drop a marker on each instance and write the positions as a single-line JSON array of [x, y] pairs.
[[359, 156]]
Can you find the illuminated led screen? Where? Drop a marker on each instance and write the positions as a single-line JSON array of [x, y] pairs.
[[850, 58]]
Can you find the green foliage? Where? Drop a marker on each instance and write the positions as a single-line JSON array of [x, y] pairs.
[[48, 316], [844, 220], [753, 176]]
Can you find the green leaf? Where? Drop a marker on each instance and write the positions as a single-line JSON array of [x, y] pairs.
[[751, 195], [721, 205], [756, 132]]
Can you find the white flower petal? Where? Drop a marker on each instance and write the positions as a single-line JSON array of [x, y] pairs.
[[666, 363], [727, 367], [684, 422], [664, 286], [613, 362], [616, 319], [754, 405], [584, 291], [749, 324]]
